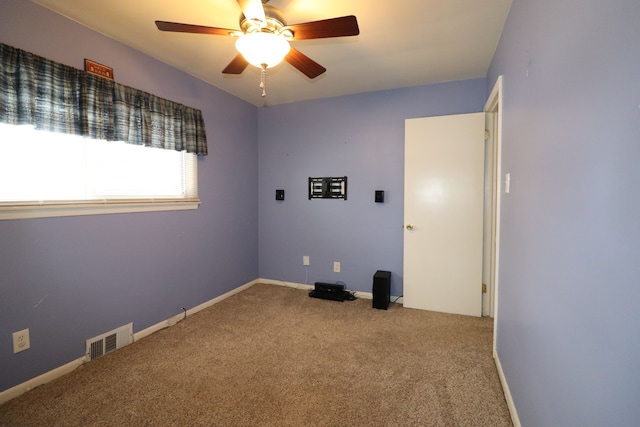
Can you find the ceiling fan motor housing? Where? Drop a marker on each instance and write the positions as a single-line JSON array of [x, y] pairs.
[[275, 23]]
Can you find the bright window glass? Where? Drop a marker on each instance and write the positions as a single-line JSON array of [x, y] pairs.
[[50, 168]]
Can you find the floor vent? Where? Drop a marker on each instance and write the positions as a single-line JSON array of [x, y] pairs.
[[111, 341]]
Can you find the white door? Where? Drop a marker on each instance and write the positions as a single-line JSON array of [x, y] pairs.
[[443, 213]]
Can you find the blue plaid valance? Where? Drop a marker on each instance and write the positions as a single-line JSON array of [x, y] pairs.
[[58, 98]]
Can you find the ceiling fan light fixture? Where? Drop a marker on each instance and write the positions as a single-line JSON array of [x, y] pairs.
[[260, 48], [263, 40]]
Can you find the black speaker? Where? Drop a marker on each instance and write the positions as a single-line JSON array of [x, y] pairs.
[[381, 289]]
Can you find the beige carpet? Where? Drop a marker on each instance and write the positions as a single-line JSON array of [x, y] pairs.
[[272, 356]]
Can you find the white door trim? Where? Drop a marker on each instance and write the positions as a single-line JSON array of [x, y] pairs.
[[495, 105]]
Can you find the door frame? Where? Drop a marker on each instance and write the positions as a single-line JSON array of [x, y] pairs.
[[495, 106]]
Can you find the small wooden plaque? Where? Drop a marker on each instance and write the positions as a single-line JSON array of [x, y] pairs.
[[98, 69]]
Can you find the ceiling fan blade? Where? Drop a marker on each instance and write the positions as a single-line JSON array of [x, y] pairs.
[[253, 11], [236, 66], [306, 65], [196, 29], [334, 27]]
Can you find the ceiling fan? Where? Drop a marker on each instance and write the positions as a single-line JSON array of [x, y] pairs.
[[263, 40]]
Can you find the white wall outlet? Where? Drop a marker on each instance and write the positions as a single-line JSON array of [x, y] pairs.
[[336, 267], [305, 260], [21, 341]]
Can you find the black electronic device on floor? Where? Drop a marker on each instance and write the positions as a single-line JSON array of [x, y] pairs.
[[381, 289], [329, 291]]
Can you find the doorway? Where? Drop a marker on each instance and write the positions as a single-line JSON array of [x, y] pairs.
[[484, 288]]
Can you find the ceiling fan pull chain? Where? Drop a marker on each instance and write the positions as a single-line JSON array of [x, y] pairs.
[[263, 80]]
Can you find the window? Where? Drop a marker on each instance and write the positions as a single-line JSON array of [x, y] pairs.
[[49, 174], [53, 174]]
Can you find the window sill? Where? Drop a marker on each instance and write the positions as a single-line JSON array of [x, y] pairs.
[[50, 210]]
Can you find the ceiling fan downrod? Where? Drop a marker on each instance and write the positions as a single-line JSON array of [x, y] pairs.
[[263, 80]]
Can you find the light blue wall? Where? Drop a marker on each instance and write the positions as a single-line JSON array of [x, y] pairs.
[[69, 279], [569, 296], [358, 136], [569, 300]]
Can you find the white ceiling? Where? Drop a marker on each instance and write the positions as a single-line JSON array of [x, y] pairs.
[[401, 43]]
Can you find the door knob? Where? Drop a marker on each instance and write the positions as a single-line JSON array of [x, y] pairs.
[[409, 227]]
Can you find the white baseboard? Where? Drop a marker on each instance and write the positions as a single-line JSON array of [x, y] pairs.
[[358, 294], [58, 372], [190, 312], [287, 284], [507, 392], [16, 391]]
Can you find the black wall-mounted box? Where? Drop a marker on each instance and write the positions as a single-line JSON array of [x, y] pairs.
[[379, 196], [279, 194]]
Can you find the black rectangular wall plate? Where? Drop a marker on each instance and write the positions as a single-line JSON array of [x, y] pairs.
[[279, 194], [328, 188], [379, 197]]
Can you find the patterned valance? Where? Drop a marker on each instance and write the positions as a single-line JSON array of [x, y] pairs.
[[58, 98]]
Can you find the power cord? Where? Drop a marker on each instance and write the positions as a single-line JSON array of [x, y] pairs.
[[351, 295]]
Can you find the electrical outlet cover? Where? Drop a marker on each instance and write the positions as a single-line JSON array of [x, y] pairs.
[[21, 341]]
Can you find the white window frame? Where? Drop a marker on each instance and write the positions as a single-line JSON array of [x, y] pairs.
[[73, 209], [61, 208]]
